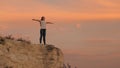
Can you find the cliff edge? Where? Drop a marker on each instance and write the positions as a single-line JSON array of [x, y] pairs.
[[21, 54]]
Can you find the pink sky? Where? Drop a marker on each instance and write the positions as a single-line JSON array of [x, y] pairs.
[[67, 9], [86, 30]]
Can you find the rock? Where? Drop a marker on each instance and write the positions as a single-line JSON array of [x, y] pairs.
[[16, 54], [2, 40]]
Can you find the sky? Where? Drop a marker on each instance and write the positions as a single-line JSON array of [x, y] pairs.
[[87, 31]]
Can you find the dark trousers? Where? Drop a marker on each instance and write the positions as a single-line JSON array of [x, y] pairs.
[[43, 35]]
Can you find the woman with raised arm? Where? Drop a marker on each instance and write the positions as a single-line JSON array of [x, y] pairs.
[[43, 29]]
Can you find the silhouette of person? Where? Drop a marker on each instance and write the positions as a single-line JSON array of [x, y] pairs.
[[43, 29]]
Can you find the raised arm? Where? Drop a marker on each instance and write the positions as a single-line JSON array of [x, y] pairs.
[[49, 23], [36, 20]]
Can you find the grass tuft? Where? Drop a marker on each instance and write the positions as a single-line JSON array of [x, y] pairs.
[[23, 40], [2, 40]]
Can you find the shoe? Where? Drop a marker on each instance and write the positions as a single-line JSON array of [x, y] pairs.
[[40, 44], [44, 44]]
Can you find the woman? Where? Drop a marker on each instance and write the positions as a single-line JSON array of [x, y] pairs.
[[43, 29]]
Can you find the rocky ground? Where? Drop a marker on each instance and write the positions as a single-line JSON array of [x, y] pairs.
[[23, 54]]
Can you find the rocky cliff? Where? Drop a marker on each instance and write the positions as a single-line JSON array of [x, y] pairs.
[[20, 54]]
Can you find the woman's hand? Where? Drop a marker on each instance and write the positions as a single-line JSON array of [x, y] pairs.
[[33, 19], [36, 20], [49, 23]]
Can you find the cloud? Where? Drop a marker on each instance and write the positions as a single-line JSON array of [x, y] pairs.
[[109, 3], [78, 25], [3, 27], [100, 39], [82, 4], [59, 9]]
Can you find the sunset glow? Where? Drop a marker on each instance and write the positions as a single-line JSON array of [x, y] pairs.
[[88, 31]]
